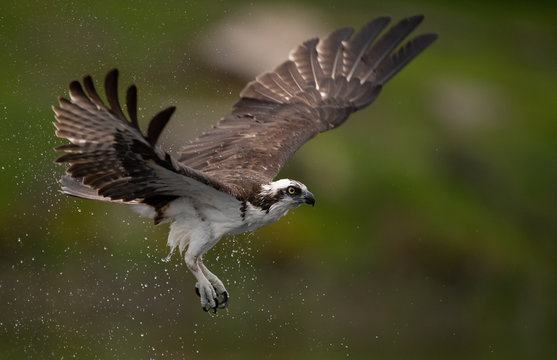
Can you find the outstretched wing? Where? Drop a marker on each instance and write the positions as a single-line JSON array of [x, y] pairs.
[[111, 160], [321, 84]]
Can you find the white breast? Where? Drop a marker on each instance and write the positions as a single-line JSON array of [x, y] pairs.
[[256, 218], [215, 218]]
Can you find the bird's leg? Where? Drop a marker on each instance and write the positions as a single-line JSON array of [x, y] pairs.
[[206, 291], [217, 284]]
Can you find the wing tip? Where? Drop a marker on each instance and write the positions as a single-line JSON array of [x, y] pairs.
[[430, 36], [417, 18], [113, 72]]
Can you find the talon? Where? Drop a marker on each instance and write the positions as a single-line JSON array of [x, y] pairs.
[[207, 309], [224, 302], [197, 291]]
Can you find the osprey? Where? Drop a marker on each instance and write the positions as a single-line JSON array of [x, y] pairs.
[[222, 182]]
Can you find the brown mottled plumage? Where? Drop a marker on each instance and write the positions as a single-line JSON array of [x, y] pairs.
[[316, 90], [222, 182]]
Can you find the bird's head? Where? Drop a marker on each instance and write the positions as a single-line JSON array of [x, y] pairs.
[[288, 193]]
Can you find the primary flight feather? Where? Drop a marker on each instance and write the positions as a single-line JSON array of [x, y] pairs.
[[222, 182]]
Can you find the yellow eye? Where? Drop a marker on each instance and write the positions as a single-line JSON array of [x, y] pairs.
[[291, 190]]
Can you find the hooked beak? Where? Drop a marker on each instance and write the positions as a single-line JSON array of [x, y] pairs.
[[308, 198]]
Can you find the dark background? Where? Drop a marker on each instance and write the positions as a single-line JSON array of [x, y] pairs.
[[434, 232]]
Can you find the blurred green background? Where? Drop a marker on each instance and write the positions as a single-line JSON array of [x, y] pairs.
[[434, 233]]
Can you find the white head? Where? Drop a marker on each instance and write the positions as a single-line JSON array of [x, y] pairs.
[[286, 194]]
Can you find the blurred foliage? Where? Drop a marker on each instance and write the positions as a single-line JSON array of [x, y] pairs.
[[433, 236]]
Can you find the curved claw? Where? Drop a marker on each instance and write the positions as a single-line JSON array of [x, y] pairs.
[[214, 309], [218, 304], [224, 302]]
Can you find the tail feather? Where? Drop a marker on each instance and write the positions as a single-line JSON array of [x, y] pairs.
[[75, 187]]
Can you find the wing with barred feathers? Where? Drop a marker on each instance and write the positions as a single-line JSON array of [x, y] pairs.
[[109, 157], [321, 84]]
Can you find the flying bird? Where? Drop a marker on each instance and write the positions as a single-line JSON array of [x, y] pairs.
[[222, 183]]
